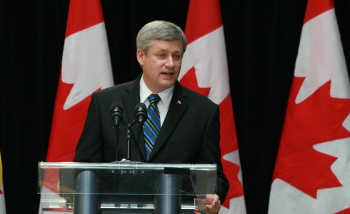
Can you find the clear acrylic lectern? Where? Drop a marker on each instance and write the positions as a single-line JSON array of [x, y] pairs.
[[125, 187]]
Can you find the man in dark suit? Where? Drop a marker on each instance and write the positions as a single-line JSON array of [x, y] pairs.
[[190, 126]]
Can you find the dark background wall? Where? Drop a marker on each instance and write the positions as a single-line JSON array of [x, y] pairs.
[[262, 39]]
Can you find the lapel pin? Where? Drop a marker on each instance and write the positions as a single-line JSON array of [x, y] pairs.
[[179, 102]]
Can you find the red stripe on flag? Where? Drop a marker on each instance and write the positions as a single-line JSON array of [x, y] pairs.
[[228, 144], [204, 18], [316, 7], [83, 14], [227, 126]]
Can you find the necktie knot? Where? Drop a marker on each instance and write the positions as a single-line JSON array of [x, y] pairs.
[[154, 99]]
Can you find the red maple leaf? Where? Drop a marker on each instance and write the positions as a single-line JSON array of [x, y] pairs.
[[317, 119], [0, 192], [345, 211], [190, 81]]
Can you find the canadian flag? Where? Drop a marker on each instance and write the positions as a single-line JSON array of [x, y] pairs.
[[204, 69], [312, 168], [86, 68], [2, 196]]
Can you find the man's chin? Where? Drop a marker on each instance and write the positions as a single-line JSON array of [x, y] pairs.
[[167, 84]]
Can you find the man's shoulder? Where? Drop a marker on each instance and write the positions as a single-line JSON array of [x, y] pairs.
[[116, 88], [196, 97]]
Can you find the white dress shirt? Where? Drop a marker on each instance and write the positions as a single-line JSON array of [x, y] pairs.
[[163, 104]]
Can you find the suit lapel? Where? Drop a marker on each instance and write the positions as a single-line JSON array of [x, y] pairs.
[[130, 100], [177, 108]]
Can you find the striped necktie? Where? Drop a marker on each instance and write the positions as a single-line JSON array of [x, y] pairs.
[[151, 126]]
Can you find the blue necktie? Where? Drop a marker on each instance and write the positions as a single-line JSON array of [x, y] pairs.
[[151, 126]]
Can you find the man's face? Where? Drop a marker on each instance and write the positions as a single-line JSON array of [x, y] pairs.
[[161, 65]]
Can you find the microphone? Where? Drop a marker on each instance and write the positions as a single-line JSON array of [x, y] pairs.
[[116, 113], [140, 113], [117, 118], [140, 116]]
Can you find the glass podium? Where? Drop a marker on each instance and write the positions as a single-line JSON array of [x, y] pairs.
[[124, 187]]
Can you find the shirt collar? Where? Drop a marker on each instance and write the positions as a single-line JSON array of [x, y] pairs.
[[165, 95]]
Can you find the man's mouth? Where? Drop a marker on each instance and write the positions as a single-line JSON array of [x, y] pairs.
[[167, 74]]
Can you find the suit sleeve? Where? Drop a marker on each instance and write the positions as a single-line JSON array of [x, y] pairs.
[[89, 147], [210, 152]]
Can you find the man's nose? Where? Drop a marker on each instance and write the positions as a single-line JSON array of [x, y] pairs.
[[170, 61]]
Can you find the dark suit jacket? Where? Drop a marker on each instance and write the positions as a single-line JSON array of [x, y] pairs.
[[190, 132]]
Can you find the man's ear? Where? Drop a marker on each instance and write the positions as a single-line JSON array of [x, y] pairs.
[[140, 56]]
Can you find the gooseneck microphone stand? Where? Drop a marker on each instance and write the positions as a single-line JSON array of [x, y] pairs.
[[139, 119], [128, 142], [116, 128], [128, 137]]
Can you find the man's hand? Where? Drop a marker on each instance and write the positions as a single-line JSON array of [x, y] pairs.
[[211, 204]]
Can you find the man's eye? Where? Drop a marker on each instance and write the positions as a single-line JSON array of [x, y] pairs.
[[176, 57]]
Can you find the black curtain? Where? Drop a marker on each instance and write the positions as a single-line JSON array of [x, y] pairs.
[[262, 39]]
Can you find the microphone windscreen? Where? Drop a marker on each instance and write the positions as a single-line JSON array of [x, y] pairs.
[[116, 104], [140, 107], [117, 112], [140, 113]]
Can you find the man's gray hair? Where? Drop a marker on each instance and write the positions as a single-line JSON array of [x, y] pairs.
[[159, 30]]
